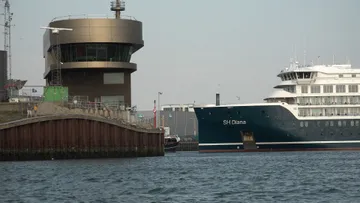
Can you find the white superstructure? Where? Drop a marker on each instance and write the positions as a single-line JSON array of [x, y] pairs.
[[319, 90], [178, 107]]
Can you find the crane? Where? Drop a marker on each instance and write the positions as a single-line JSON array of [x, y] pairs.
[[7, 40]]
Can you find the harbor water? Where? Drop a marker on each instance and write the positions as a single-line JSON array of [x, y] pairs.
[[188, 177]]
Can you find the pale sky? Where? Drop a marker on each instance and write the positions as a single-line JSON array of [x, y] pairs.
[[191, 46]]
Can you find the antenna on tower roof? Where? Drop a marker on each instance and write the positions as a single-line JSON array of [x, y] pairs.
[[117, 6]]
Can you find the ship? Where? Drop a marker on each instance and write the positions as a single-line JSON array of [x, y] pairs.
[[170, 141], [313, 107]]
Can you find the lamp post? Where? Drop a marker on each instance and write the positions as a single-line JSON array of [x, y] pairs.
[[56, 74], [159, 109]]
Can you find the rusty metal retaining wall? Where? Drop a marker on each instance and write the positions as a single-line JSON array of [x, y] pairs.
[[76, 136]]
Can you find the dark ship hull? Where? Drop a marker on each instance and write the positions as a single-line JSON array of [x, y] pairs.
[[272, 128]]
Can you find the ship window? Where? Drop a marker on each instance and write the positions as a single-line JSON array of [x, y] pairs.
[[299, 75], [318, 123], [315, 89], [327, 123], [353, 75], [301, 124], [340, 88], [328, 89], [331, 123], [341, 75], [357, 123], [353, 88], [304, 89], [339, 123], [307, 75], [290, 89], [306, 124], [344, 123], [352, 123]]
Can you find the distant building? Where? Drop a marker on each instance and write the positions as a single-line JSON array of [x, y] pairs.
[[180, 118]]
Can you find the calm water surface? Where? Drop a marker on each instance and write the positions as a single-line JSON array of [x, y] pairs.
[[188, 177]]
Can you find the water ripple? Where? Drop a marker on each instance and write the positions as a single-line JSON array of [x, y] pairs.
[[188, 177]]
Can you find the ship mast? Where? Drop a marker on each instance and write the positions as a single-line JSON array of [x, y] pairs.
[[117, 6]]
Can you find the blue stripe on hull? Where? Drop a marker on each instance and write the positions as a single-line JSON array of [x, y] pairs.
[[281, 147]]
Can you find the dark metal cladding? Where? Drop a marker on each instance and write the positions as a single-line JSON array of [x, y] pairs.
[[94, 47], [181, 123], [76, 137], [3, 75], [271, 128]]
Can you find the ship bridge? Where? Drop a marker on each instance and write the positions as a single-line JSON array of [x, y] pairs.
[[296, 75]]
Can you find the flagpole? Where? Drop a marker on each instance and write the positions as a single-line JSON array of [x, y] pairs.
[[154, 111]]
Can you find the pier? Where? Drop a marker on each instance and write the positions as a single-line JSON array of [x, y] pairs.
[[75, 134]]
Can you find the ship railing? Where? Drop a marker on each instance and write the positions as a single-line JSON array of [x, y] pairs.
[[328, 104], [329, 115], [92, 16]]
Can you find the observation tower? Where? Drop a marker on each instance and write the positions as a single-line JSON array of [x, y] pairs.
[[91, 55]]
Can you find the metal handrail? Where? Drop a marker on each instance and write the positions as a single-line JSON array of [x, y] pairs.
[[91, 16]]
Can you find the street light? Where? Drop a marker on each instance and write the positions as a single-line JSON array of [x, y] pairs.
[[56, 74], [158, 116]]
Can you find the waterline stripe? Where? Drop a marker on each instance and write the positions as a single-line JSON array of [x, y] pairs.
[[220, 144], [283, 143]]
